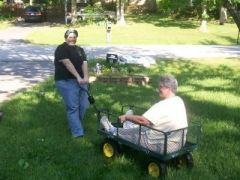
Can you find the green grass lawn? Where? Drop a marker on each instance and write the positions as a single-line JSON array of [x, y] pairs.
[[4, 24], [144, 31], [36, 143]]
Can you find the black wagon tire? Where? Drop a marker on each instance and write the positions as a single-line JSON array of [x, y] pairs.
[[185, 160], [189, 161], [156, 168], [110, 148]]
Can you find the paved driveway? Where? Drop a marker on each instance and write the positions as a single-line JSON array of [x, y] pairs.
[[22, 65]]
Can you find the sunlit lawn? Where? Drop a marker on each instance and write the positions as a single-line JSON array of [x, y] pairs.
[[36, 143], [143, 31], [4, 24]]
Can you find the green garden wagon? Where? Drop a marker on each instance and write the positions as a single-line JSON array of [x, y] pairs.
[[157, 160]]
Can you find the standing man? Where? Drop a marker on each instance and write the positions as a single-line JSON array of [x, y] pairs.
[[71, 78]]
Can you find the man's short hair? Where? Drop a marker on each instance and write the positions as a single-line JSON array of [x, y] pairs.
[[169, 81], [69, 31]]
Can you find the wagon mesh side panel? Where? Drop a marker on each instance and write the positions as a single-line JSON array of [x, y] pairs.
[[165, 143], [193, 134], [140, 137], [176, 140]]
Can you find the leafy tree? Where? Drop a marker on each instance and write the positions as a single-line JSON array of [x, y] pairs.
[[214, 6]]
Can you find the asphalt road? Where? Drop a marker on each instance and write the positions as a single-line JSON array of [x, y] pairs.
[[23, 65]]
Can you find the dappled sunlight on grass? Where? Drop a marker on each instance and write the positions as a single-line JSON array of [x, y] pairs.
[[214, 82], [221, 126], [164, 22], [219, 98], [217, 90]]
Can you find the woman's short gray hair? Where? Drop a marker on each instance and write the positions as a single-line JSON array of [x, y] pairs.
[[169, 81], [69, 31]]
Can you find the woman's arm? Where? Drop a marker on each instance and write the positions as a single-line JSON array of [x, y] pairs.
[[70, 67], [85, 71]]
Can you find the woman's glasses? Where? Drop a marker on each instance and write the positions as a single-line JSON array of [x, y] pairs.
[[72, 37]]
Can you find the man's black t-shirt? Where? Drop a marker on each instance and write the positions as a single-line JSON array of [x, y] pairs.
[[76, 55]]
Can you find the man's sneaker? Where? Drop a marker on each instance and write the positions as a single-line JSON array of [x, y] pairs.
[[106, 124]]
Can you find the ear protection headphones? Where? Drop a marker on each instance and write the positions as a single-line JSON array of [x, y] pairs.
[[70, 31]]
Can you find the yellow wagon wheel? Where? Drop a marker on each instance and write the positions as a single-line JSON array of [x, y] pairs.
[[156, 168], [110, 148]]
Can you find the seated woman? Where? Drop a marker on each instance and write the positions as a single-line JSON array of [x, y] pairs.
[[167, 115]]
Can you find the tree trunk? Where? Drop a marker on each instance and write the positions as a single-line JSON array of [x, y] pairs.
[[121, 19], [191, 3], [117, 10], [203, 27], [65, 11], [223, 15], [233, 12], [74, 11]]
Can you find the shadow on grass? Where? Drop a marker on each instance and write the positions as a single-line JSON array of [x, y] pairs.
[[50, 22], [35, 131], [164, 22], [188, 71], [34, 127], [227, 38]]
